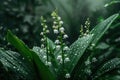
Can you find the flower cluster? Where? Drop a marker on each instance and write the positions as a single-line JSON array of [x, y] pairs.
[[84, 30], [44, 33], [59, 30], [44, 44], [61, 46], [87, 25]]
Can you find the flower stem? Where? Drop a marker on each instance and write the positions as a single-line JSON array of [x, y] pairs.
[[62, 46], [47, 50]]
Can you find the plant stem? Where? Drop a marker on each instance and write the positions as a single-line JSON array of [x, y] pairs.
[[47, 50], [62, 50]]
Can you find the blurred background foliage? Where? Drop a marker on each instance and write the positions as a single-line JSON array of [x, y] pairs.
[[23, 18]]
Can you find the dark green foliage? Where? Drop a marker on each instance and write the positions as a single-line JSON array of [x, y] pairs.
[[31, 56], [14, 66]]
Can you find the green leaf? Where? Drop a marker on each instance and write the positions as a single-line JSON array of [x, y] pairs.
[[30, 55], [111, 3], [110, 77], [15, 65], [40, 52], [52, 54], [106, 67], [20, 45], [43, 69], [77, 49], [51, 44], [101, 28], [102, 45], [97, 32], [42, 55]]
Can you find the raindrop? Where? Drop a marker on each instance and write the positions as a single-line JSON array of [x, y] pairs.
[[77, 45], [87, 42], [20, 62], [1, 28], [118, 39], [4, 38], [119, 71], [92, 34], [11, 58], [94, 59], [106, 5], [8, 43], [14, 67], [41, 51], [75, 54], [44, 57], [93, 44], [18, 69]]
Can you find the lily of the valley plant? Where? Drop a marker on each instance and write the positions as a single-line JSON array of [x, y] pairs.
[[55, 60]]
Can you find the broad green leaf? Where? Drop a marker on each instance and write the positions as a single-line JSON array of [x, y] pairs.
[[42, 55], [110, 77], [17, 65], [115, 26], [43, 70], [102, 45], [20, 45], [111, 3], [101, 28], [106, 67], [77, 49], [116, 77], [40, 52], [97, 32], [51, 46]]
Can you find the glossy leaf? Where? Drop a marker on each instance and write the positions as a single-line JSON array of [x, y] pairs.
[[77, 49], [20, 45], [31, 56], [97, 32], [107, 66], [101, 28], [15, 65]]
